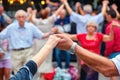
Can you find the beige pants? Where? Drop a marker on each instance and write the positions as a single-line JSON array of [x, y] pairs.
[[19, 58]]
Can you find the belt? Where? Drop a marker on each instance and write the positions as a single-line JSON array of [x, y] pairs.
[[20, 49]]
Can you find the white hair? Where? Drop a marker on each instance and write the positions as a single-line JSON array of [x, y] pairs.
[[93, 23], [87, 8], [20, 12]]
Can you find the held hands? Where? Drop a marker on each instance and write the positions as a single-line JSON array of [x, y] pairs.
[[114, 6], [65, 42], [63, 1], [62, 41], [54, 30], [34, 11], [78, 4], [105, 2], [52, 41]]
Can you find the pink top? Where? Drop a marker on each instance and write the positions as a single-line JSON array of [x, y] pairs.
[[91, 45], [114, 45]]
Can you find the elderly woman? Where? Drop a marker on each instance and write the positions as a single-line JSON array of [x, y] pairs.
[[91, 41]]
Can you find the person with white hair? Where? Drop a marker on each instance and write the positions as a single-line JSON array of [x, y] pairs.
[[21, 36], [81, 20], [91, 41]]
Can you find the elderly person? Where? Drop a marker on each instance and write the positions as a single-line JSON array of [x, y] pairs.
[[82, 20], [45, 23], [63, 24], [21, 35], [91, 41], [28, 71]]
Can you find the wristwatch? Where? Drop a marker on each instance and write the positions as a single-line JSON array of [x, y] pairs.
[[72, 49]]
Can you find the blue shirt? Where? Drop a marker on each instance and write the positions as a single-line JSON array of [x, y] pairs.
[[63, 24], [21, 37], [26, 72], [64, 21], [82, 20]]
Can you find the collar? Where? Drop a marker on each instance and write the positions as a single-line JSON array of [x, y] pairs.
[[19, 27]]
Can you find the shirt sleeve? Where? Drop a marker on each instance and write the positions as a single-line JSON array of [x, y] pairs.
[[99, 18], [36, 21], [116, 61], [77, 18], [5, 33], [52, 19], [37, 33], [26, 72]]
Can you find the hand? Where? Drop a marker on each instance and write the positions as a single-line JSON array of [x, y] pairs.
[[54, 30], [34, 11], [29, 10], [2, 55], [63, 1], [105, 2], [78, 4], [65, 42], [114, 6], [52, 41]]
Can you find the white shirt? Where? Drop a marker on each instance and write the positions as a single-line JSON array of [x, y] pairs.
[[116, 61]]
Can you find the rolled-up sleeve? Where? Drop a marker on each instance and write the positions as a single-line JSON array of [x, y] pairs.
[[5, 33], [116, 61], [37, 33], [99, 18], [26, 72]]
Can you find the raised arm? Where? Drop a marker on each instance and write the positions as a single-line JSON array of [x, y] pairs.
[[67, 6], [79, 9], [33, 17], [96, 62], [52, 3], [111, 34], [58, 10], [114, 7], [104, 6], [42, 54]]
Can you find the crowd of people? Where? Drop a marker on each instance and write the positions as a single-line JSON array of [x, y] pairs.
[[27, 42]]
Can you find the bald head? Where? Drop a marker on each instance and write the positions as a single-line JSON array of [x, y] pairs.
[[62, 14]]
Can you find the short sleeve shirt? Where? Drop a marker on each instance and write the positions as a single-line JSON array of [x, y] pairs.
[[91, 45]]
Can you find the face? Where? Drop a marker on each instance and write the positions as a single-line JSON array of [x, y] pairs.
[[107, 17], [91, 29], [62, 14], [21, 19]]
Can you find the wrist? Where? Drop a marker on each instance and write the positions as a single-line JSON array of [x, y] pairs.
[[72, 48], [66, 3]]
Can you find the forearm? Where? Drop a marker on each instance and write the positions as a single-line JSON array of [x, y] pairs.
[[59, 9], [96, 62], [104, 8], [50, 3], [81, 11], [68, 8], [41, 55], [46, 35]]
